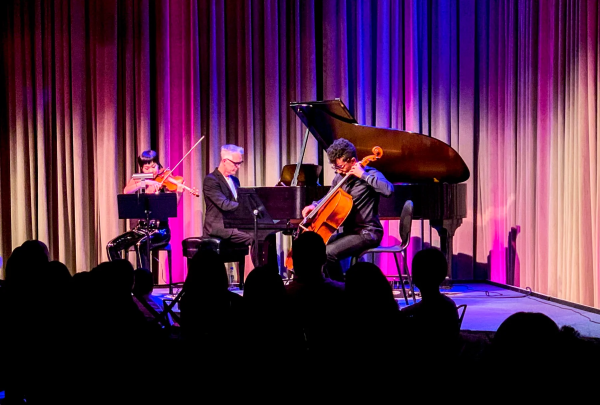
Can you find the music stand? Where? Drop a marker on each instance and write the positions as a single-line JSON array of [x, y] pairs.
[[147, 206], [308, 175], [250, 210]]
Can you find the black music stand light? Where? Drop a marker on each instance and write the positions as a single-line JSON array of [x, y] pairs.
[[159, 206], [307, 175]]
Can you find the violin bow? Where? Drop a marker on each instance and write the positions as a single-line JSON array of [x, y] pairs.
[[178, 163]]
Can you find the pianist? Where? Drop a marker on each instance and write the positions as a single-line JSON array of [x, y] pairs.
[[220, 195], [362, 229]]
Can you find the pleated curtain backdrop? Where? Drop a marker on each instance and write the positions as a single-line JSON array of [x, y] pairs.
[[511, 85]]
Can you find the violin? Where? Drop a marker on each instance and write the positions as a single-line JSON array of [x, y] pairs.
[[171, 183]]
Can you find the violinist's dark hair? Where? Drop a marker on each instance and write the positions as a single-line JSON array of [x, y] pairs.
[[148, 156], [341, 148]]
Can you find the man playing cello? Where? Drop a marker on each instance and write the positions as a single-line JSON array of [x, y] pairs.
[[361, 230]]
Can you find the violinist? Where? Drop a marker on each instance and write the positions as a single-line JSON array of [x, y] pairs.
[[361, 230], [160, 234]]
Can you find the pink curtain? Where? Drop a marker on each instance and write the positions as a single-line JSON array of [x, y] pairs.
[[512, 86]]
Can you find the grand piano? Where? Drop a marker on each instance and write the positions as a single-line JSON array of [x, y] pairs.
[[423, 169]]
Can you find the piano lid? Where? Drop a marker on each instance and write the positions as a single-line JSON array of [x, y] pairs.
[[408, 157]]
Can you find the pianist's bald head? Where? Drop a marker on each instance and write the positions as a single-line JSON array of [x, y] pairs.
[[341, 148]]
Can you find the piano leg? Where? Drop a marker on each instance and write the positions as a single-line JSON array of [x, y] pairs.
[[262, 252], [267, 250], [446, 228]]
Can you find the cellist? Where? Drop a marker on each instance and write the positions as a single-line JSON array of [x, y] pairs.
[[160, 234], [362, 229]]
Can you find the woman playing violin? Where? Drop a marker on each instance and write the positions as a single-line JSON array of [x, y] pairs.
[[361, 230], [160, 234]]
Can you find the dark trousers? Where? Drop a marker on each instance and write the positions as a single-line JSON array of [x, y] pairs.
[[243, 239], [268, 253], [343, 245], [137, 237]]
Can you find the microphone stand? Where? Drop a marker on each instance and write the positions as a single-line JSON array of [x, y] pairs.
[[255, 212]]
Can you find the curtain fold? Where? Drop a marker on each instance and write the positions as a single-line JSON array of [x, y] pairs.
[[511, 85]]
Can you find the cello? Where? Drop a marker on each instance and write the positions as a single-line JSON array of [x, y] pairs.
[[332, 210]]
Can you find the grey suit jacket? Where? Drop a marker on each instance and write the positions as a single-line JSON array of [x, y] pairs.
[[218, 198]]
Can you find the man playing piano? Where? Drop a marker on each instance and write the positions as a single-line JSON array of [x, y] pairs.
[[362, 229], [220, 195]]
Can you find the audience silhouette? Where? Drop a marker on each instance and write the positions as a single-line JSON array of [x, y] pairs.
[[274, 344], [373, 326], [209, 311], [143, 285], [316, 301], [117, 338], [525, 346], [313, 338], [433, 321], [211, 316], [24, 325]]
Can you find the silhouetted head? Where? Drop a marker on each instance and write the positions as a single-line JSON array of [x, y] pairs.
[[26, 264], [143, 283], [14, 262], [309, 255], [367, 289], [264, 287], [526, 334], [58, 272], [84, 296], [36, 250], [82, 283], [115, 278], [429, 268], [56, 278], [206, 274]]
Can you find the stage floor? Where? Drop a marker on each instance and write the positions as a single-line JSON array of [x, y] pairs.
[[488, 305]]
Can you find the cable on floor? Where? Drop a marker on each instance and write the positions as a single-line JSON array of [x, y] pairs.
[[526, 295], [563, 307], [488, 294]]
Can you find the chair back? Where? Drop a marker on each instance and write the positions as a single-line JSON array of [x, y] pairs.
[[406, 222]]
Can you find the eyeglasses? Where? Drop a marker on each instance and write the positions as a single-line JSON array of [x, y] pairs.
[[237, 164], [340, 167]]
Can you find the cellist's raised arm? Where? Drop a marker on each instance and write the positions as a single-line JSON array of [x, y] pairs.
[[377, 180]]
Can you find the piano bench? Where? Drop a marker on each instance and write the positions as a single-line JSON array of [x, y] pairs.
[[227, 252]]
